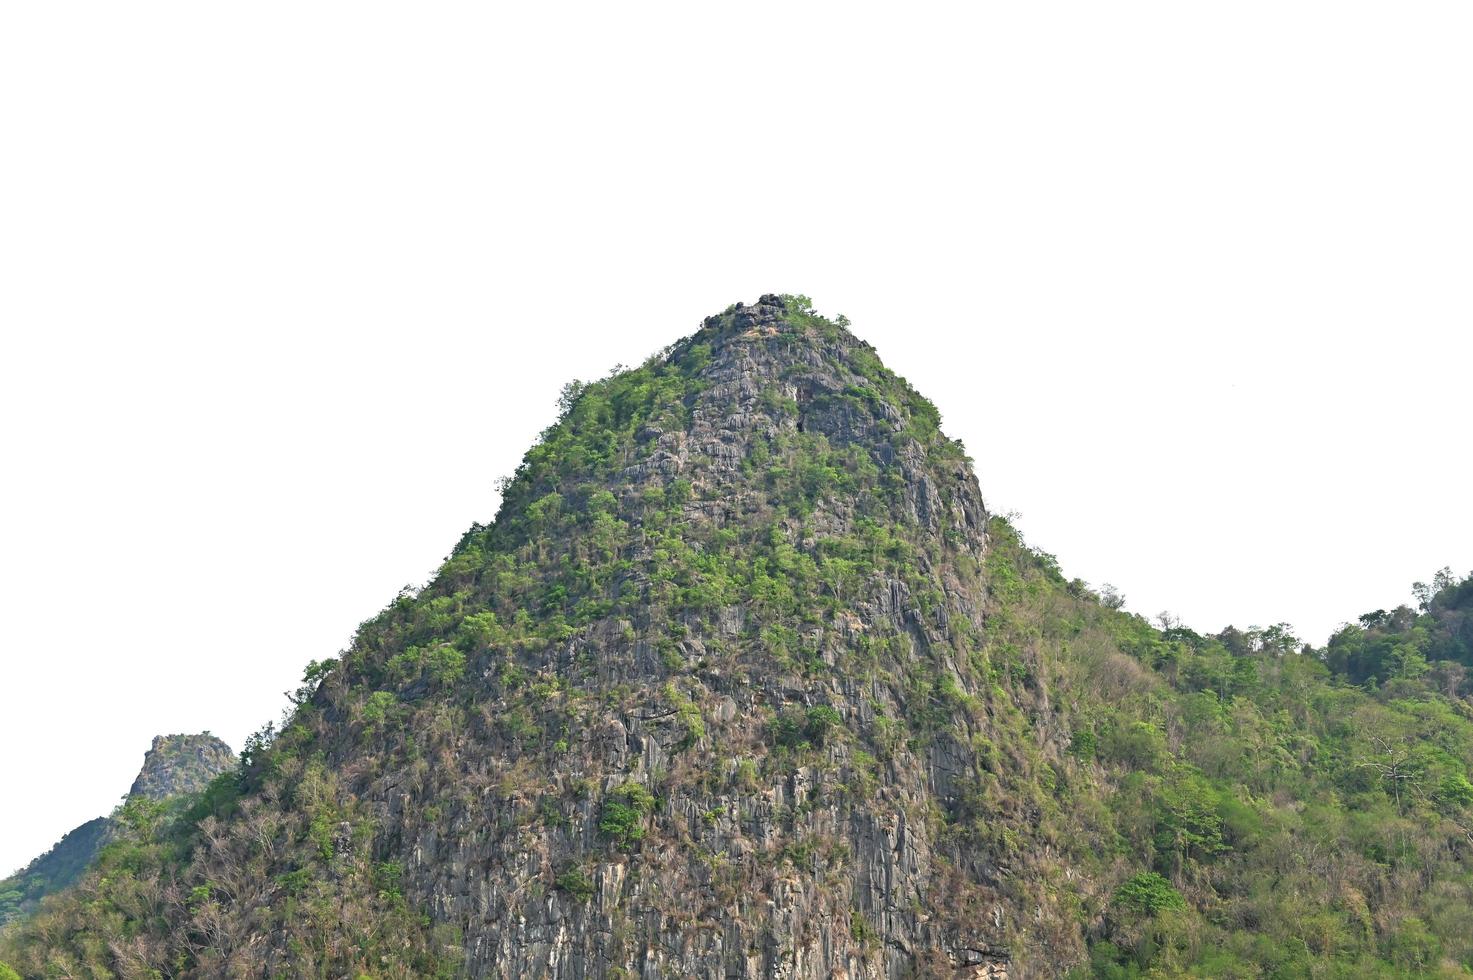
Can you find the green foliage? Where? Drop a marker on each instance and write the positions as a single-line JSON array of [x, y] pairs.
[[688, 714], [1084, 745], [798, 728], [1453, 793], [1147, 893], [624, 813], [345, 914], [446, 665], [381, 708], [1255, 790], [1135, 744], [576, 883], [1408, 644], [312, 678], [388, 877], [745, 775], [821, 721]]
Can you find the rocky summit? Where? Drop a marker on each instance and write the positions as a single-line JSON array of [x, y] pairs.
[[744, 681], [178, 764]]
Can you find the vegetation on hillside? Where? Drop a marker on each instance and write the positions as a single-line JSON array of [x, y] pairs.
[[1266, 809], [53, 871]]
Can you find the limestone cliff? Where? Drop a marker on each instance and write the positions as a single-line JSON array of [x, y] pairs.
[[797, 828]]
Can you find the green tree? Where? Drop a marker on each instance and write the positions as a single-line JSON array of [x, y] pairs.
[[624, 812], [1147, 893]]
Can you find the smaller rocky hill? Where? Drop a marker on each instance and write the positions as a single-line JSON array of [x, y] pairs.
[[178, 764], [175, 765]]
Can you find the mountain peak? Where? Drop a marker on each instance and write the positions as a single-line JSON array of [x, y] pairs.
[[754, 380], [773, 314], [769, 311]]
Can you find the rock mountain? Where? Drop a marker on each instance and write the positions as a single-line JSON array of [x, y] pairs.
[[744, 681]]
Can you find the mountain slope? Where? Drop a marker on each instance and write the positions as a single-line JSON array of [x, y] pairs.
[[174, 765], [59, 868], [744, 682]]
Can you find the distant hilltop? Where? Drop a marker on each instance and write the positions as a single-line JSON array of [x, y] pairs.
[[178, 764], [175, 765]]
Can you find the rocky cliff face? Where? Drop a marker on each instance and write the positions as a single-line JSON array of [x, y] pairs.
[[737, 753], [177, 764], [796, 829]]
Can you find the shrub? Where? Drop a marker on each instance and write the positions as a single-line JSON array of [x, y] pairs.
[[822, 720], [745, 774], [1147, 894], [1454, 793], [688, 713], [794, 728], [575, 883], [624, 812], [447, 665], [380, 708], [1138, 745]]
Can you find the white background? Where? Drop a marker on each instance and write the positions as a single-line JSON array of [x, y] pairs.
[[285, 287]]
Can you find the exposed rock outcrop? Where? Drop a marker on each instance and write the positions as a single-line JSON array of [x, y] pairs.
[[177, 764]]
